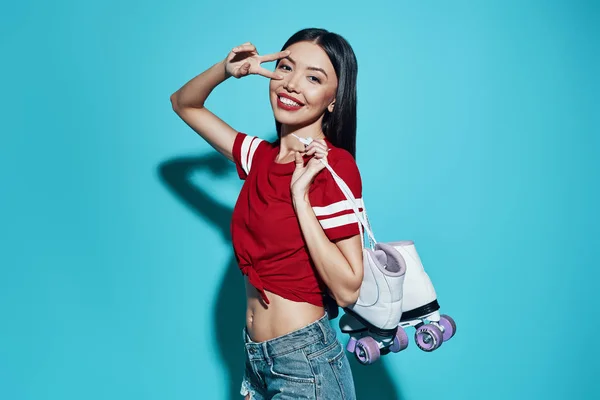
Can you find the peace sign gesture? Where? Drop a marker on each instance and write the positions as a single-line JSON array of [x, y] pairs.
[[244, 60]]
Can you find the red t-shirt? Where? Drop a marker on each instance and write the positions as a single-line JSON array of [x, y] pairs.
[[265, 231]]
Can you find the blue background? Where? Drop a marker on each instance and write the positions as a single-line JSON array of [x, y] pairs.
[[478, 138]]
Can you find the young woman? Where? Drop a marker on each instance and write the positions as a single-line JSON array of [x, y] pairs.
[[295, 237]]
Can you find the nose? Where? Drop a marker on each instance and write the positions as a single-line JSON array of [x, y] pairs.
[[291, 83]]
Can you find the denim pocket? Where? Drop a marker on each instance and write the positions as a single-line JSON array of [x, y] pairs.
[[293, 367], [343, 374]]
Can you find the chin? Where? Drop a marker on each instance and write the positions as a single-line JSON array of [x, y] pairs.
[[286, 119]]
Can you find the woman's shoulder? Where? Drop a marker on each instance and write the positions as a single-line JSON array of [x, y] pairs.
[[342, 158], [343, 164], [249, 150]]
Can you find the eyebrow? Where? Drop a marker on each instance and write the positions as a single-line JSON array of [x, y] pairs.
[[311, 68]]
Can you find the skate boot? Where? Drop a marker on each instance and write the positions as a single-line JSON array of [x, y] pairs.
[[372, 322], [419, 304]]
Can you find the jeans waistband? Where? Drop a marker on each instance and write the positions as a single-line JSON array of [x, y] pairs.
[[319, 330]]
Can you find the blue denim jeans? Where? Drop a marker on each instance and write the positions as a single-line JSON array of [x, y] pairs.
[[309, 363]]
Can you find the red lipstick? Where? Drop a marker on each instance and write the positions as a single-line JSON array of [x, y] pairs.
[[288, 107]]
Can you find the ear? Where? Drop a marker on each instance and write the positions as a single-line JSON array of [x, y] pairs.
[[331, 106]]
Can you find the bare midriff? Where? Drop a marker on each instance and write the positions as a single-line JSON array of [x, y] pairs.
[[281, 316]]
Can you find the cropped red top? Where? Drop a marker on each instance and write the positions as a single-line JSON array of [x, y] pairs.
[[265, 231]]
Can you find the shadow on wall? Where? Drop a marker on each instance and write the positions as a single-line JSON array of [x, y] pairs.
[[372, 382]]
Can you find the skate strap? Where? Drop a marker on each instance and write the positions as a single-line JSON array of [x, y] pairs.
[[350, 197], [363, 222]]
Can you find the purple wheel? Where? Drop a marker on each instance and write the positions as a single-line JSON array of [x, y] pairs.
[[400, 341], [367, 350], [449, 326], [351, 346], [429, 337]]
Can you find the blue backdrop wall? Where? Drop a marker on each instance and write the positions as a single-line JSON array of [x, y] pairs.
[[117, 279]]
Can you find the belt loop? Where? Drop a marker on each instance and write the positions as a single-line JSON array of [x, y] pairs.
[[322, 328], [266, 353]]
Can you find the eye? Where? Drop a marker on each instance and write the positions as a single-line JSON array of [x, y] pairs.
[[285, 67], [314, 79]]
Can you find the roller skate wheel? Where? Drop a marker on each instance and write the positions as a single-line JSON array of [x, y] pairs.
[[449, 326], [429, 337], [400, 341], [367, 350], [351, 346]]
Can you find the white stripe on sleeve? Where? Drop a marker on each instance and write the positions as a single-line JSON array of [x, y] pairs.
[[343, 205], [244, 153], [253, 148], [340, 220]]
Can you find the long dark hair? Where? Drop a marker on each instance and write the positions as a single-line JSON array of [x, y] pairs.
[[338, 126]]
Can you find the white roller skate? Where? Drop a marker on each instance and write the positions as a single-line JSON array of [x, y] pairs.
[[395, 293], [420, 304], [372, 322]]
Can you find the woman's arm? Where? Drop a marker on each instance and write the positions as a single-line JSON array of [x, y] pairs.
[[339, 264], [188, 101]]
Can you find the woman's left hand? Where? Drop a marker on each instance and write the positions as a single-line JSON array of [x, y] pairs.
[[304, 174]]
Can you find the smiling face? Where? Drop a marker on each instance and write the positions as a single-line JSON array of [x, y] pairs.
[[308, 87]]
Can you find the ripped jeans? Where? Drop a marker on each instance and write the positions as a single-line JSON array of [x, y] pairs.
[[309, 363]]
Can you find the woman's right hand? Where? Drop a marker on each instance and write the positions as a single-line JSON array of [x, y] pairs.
[[244, 60]]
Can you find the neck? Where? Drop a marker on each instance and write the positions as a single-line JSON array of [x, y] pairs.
[[289, 144]]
